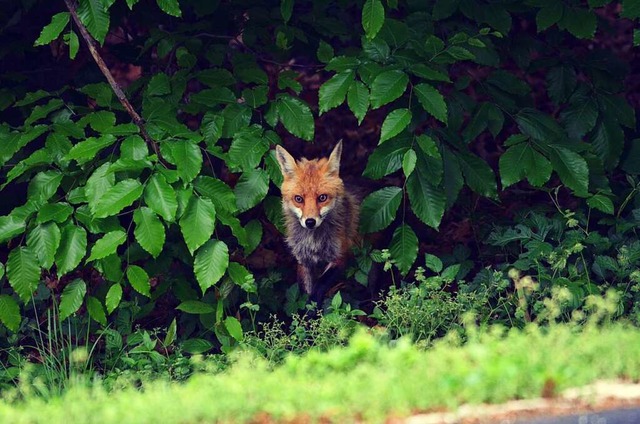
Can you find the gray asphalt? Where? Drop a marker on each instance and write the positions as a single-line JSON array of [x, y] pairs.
[[615, 416]]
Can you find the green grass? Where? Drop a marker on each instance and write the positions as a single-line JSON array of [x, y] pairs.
[[367, 379]]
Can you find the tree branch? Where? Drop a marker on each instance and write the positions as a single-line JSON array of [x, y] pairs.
[[137, 119]]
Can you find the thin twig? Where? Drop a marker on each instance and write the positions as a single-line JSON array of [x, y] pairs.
[[112, 82]]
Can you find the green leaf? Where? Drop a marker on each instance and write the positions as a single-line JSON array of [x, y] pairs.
[[522, 161], [432, 101], [50, 32], [107, 245], [159, 85], [188, 159], [23, 272], [211, 127], [149, 231], [57, 212], [217, 191], [580, 22], [42, 111], [72, 297], [197, 222], [161, 197], [196, 307], [256, 97], [10, 312], [424, 71], [379, 209], [333, 92], [251, 188], [242, 277], [538, 125], [211, 263], [216, 77], [118, 197], [409, 162], [88, 149], [113, 297], [139, 280], [394, 124], [548, 15], [170, 7], [73, 247], [234, 328], [44, 240], [196, 346], [254, 236], [630, 9], [96, 311], [235, 116], [387, 158], [286, 9], [608, 142], [404, 248], [601, 202], [616, 107], [248, 147], [44, 185], [433, 263], [358, 100], [561, 83], [571, 168], [325, 52], [95, 17], [10, 226], [579, 118], [387, 87], [372, 18], [296, 117], [478, 175], [171, 333], [101, 121], [426, 197], [460, 53], [214, 96]]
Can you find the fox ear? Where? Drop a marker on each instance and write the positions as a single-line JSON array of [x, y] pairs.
[[334, 159], [286, 161]]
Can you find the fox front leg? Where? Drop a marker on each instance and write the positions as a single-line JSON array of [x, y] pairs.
[[305, 278]]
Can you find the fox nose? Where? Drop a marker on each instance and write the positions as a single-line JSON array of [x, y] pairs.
[[310, 222]]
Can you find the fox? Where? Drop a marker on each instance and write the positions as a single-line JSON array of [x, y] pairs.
[[321, 218]]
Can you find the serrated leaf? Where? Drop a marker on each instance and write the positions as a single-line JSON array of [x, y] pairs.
[[404, 248], [57, 212], [161, 197], [601, 202], [52, 30], [608, 142], [409, 162], [571, 168], [580, 22], [149, 231], [235, 116], [433, 263], [10, 226], [95, 17], [171, 333], [10, 312], [96, 310], [254, 236], [23, 272], [217, 191], [358, 100], [42, 111], [387, 158], [211, 127], [73, 247], [579, 118], [372, 18], [188, 159], [197, 222], [379, 209], [248, 147], [211, 263], [296, 117], [548, 15], [423, 71], [538, 125], [427, 199], [118, 197], [478, 175], [432, 101], [234, 328], [89, 148], [286, 9], [251, 188], [139, 280], [196, 307], [325, 52], [394, 124], [44, 240], [197, 346], [159, 85], [72, 297], [387, 87], [107, 245], [114, 295], [561, 83], [43, 186], [170, 7], [333, 92]]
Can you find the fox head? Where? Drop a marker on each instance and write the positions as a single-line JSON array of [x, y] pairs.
[[311, 187]]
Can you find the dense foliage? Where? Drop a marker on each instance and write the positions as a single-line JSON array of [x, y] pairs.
[[172, 221]]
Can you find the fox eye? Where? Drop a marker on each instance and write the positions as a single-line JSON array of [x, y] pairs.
[[322, 198], [298, 199]]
